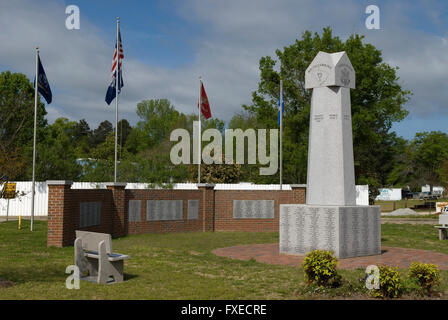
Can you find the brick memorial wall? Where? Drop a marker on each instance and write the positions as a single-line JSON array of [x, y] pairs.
[[121, 211]]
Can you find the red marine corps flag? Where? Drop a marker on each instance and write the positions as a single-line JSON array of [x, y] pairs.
[[203, 102], [204, 108]]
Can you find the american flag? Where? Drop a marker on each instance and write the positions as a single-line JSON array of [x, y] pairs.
[[116, 62]]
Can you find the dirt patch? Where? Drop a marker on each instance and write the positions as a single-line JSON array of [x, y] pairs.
[[5, 283]]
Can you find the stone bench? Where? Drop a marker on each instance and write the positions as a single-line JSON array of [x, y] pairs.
[[443, 221], [95, 259]]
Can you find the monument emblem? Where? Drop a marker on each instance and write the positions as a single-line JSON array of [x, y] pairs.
[[330, 220], [345, 77], [322, 75]]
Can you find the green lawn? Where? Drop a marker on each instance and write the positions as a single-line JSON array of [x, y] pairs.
[[419, 217], [181, 266], [388, 206]]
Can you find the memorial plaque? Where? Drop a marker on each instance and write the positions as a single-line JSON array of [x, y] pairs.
[[377, 234], [89, 214], [159, 210], [330, 227], [299, 231], [193, 209], [348, 231], [365, 231], [355, 230], [253, 209], [134, 211], [285, 241], [343, 227], [237, 209], [313, 228]]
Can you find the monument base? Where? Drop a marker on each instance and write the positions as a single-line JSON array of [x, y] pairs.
[[348, 231]]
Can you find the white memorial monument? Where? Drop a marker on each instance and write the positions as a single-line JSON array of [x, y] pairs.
[[330, 219]]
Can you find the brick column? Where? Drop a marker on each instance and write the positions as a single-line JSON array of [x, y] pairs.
[[60, 226], [119, 221], [299, 193], [208, 206]]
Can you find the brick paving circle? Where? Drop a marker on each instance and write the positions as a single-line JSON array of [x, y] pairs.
[[401, 257]]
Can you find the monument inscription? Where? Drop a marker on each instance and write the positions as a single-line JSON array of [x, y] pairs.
[[89, 214], [159, 210], [253, 209], [134, 210], [193, 209]]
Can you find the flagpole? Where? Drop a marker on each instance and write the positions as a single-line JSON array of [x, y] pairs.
[[34, 139], [116, 98], [281, 134], [200, 133]]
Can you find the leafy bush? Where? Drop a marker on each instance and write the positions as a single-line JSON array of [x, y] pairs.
[[391, 284], [425, 274], [320, 268]]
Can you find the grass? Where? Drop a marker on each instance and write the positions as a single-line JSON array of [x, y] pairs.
[[388, 206], [421, 216], [181, 266]]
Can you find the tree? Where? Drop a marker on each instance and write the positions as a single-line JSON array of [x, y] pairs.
[[153, 166], [377, 102], [56, 157], [17, 125], [146, 156], [124, 129], [217, 173], [157, 120], [82, 136], [100, 165], [100, 134], [430, 151], [81, 129]]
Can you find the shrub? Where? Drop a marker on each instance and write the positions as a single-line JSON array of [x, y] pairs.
[[391, 284], [320, 268], [425, 274]]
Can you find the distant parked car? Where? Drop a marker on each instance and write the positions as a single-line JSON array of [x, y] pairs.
[[418, 195], [431, 196], [406, 194]]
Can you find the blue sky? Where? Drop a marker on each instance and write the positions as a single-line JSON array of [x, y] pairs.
[[168, 44], [151, 30]]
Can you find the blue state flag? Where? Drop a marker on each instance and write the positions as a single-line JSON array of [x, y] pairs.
[[283, 107], [42, 83]]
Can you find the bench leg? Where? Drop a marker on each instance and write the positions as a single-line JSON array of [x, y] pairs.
[[442, 234], [80, 260], [117, 270], [103, 264], [92, 267]]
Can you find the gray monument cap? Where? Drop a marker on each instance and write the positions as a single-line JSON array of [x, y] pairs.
[[330, 69]]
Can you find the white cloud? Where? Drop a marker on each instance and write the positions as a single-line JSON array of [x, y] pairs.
[[234, 36]]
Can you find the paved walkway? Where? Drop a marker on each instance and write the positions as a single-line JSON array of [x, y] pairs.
[[401, 257]]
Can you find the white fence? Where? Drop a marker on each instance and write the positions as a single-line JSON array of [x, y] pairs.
[[22, 204], [393, 194]]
